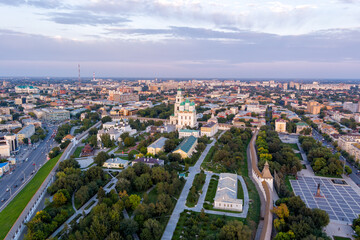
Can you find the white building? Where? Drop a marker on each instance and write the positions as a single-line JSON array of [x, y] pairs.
[[52, 114], [26, 89], [116, 163], [226, 193], [8, 145], [184, 112], [188, 132]]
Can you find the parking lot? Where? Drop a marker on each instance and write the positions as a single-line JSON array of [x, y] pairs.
[[341, 202]]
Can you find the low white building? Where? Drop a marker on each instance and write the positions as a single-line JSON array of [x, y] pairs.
[[116, 163], [226, 193], [188, 132]]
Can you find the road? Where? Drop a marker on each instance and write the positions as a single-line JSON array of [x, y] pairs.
[[353, 175], [24, 168]]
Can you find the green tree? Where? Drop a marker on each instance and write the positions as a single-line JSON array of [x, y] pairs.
[[348, 170], [134, 201], [235, 230], [151, 230], [129, 141], [59, 199], [101, 158], [106, 119]]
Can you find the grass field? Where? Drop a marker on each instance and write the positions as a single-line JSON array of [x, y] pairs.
[[293, 146], [9, 215], [89, 205], [240, 191], [77, 152], [341, 238], [208, 225], [198, 193], [287, 182], [211, 192], [299, 156]]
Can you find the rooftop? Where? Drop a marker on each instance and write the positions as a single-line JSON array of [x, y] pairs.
[[186, 144], [158, 143]]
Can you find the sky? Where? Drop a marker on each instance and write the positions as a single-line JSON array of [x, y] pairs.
[[181, 38]]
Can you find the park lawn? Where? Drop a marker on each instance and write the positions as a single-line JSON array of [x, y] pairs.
[[341, 238], [89, 205], [293, 146], [208, 226], [77, 152], [299, 156], [112, 148], [209, 165], [12, 211], [254, 206], [211, 192], [134, 152], [287, 182], [240, 191], [199, 192], [153, 195]]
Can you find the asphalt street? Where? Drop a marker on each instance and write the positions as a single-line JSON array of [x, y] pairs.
[[353, 175], [24, 169]]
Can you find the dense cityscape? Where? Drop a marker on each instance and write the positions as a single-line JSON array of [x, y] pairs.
[[179, 159], [179, 120]]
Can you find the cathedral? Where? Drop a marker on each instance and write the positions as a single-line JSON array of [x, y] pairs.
[[184, 112]]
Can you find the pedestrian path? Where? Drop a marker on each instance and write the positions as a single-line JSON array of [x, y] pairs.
[[92, 200], [180, 205]]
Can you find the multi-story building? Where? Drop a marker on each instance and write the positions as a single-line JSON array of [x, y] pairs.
[[26, 89], [51, 114], [345, 142], [4, 111], [8, 145], [121, 97], [26, 132], [10, 125], [314, 107], [280, 125], [209, 129], [184, 112]]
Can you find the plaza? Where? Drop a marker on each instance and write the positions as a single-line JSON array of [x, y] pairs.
[[340, 201]]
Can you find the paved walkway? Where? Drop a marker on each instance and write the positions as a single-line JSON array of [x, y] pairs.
[[308, 172], [126, 216], [180, 205], [82, 209]]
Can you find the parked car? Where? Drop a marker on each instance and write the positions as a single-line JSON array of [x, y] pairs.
[[15, 186], [8, 189]]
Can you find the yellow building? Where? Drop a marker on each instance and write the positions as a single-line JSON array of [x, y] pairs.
[[280, 125], [186, 147], [157, 146]]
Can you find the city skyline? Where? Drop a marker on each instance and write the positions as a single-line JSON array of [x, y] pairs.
[[197, 39]]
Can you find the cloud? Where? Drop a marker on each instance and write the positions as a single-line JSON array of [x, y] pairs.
[[85, 18], [36, 3]]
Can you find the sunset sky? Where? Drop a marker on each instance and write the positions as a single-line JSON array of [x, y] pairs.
[[173, 38]]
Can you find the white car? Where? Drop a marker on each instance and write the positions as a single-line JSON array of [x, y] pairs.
[[8, 189]]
